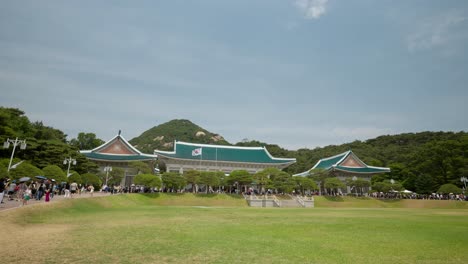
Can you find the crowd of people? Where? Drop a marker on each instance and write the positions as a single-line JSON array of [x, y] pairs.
[[39, 189]]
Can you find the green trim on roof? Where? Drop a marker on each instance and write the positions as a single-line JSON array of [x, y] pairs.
[[107, 157], [362, 170], [333, 163], [223, 153], [328, 163]]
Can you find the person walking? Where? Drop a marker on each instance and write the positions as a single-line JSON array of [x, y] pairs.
[[91, 190], [26, 196]]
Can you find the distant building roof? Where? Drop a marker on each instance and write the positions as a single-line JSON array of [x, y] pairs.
[[194, 151], [346, 162], [117, 149]]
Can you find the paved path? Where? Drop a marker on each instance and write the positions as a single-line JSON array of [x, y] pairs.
[[9, 205]]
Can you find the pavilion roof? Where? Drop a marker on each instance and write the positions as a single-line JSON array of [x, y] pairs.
[[346, 162], [117, 149], [184, 150]]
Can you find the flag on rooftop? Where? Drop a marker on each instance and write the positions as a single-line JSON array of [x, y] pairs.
[[197, 152]]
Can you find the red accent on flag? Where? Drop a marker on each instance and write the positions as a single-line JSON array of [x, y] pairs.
[[197, 152]]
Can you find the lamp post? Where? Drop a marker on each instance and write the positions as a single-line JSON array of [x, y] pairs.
[[355, 188], [15, 143], [107, 169], [69, 161], [464, 180]]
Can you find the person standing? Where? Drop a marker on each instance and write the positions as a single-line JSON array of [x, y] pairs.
[[47, 195], [40, 191], [2, 189], [11, 190], [73, 188], [67, 190]]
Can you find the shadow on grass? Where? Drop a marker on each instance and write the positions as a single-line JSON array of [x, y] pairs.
[[150, 195], [235, 196], [206, 195], [200, 195], [390, 200], [334, 198]]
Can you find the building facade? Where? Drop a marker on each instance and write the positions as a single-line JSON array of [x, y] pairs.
[[118, 153], [203, 157], [346, 166]]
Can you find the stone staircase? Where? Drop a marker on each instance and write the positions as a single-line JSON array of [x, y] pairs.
[[273, 201]]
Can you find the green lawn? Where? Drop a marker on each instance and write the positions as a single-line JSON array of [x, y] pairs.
[[221, 229]]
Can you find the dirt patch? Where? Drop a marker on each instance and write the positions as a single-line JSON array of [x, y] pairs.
[[21, 244]]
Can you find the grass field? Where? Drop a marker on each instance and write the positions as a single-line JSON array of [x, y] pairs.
[[221, 229]]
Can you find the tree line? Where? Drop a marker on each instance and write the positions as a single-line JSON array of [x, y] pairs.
[[421, 162]]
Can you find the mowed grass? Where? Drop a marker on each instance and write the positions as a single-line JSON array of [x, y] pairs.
[[221, 229], [367, 202]]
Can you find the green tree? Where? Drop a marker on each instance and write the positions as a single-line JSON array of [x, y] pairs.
[[25, 169], [174, 181], [86, 141], [449, 188], [148, 180], [222, 179], [115, 176], [242, 177], [54, 172], [319, 176], [192, 177], [140, 167], [209, 179], [303, 183], [262, 178], [425, 184], [91, 179], [283, 182], [334, 184], [75, 177]]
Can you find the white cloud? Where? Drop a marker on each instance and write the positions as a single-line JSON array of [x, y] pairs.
[[312, 9], [438, 32]]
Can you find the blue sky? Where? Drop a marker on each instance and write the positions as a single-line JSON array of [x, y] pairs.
[[298, 73]]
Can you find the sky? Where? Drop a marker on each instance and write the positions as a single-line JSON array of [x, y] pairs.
[[297, 73]]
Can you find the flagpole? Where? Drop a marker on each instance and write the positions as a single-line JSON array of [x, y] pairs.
[[201, 157], [216, 159]]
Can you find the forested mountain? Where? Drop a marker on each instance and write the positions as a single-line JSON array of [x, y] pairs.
[[420, 161], [162, 137]]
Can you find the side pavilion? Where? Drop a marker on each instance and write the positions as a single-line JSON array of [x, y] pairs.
[[346, 166], [118, 153], [203, 157]]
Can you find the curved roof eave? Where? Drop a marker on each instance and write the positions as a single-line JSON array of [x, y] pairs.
[[260, 163]]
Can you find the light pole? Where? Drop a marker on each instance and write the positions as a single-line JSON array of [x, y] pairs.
[[107, 169], [464, 180], [69, 161], [15, 143], [355, 188]]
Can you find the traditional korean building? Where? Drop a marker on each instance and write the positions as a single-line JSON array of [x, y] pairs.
[[202, 157], [118, 153], [346, 166]]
